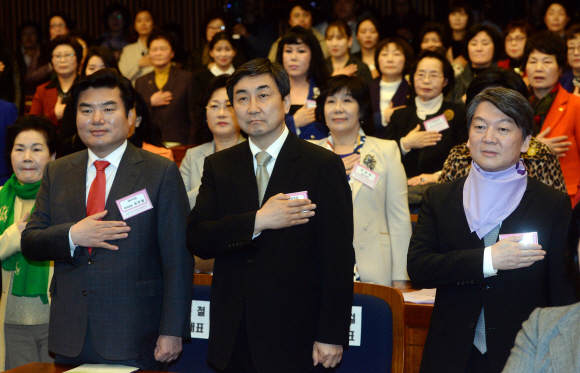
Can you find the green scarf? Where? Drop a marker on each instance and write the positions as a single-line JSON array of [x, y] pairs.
[[30, 278]]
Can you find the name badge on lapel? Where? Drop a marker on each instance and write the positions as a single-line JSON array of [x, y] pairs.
[[364, 175], [134, 204], [529, 237], [437, 124]]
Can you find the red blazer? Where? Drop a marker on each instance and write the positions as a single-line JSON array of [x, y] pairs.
[[563, 118], [43, 102]]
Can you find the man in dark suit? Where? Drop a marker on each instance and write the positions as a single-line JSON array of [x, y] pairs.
[[121, 291], [282, 287], [486, 288]]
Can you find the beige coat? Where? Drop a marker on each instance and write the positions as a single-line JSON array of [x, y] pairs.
[[9, 245], [382, 223]]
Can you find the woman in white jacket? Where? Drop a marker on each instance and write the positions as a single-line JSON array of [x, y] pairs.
[[382, 225]]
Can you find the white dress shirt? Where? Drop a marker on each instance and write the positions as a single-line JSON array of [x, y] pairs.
[[110, 172]]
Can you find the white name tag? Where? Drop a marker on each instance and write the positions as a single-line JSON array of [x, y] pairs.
[[134, 204], [365, 175], [530, 237], [354, 335], [310, 104], [200, 319], [437, 124]]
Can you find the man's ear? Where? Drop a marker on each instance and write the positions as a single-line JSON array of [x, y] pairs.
[[287, 104]]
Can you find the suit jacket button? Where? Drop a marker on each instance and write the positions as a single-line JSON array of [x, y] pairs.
[[471, 325], [250, 260], [90, 261], [85, 293]]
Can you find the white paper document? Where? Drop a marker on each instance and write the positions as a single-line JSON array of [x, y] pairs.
[[425, 296], [103, 368]]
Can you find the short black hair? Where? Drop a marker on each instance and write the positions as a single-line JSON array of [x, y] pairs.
[[257, 67], [214, 84], [520, 24], [459, 5], [495, 36], [373, 20], [148, 131], [104, 53], [71, 42], [509, 102], [162, 34], [563, 3], [548, 43], [317, 69], [70, 24], [221, 36], [448, 72], [35, 26], [117, 7], [573, 32], [495, 77], [437, 28], [107, 78], [342, 27], [302, 4], [30, 123], [358, 89], [402, 45]]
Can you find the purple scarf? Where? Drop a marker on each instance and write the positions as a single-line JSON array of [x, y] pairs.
[[490, 197]]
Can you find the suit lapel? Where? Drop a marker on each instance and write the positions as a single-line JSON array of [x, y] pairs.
[[357, 185], [243, 179], [563, 351], [284, 169], [172, 80], [77, 190], [125, 180]]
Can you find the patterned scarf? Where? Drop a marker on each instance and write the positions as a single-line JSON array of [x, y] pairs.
[[541, 107]]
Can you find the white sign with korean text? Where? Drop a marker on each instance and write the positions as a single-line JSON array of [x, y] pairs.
[[200, 319], [354, 336]]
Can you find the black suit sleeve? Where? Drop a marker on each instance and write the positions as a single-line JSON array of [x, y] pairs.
[[428, 263], [41, 240], [209, 237]]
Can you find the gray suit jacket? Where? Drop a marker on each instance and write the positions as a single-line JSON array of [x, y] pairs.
[[128, 297], [548, 342]]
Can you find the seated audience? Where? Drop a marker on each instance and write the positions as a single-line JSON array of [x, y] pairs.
[[300, 15], [27, 54], [338, 41], [570, 79], [221, 126], [432, 37], [556, 111], [116, 20], [423, 148], [390, 91], [368, 36], [24, 306], [483, 46], [301, 57], [51, 98], [460, 17], [548, 340], [514, 37], [382, 225], [488, 284], [540, 160], [134, 61], [98, 58], [169, 92]]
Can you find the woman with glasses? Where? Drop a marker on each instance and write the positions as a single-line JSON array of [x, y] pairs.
[[221, 126], [51, 98], [570, 79], [514, 37], [428, 127]]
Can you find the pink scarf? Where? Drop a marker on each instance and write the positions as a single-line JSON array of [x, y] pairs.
[[490, 197]]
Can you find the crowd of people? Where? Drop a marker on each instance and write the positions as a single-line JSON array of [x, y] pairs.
[[473, 126]]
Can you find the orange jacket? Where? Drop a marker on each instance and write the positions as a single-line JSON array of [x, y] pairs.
[[563, 118]]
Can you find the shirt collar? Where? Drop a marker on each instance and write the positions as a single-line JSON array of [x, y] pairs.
[[217, 71], [273, 149], [114, 158]]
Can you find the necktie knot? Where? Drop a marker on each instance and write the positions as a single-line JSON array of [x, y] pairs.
[[263, 158], [101, 165]]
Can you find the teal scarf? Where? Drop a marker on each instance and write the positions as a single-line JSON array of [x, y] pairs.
[[30, 278]]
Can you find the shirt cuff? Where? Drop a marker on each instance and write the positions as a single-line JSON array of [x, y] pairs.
[[256, 235], [403, 149], [488, 269], [71, 244]]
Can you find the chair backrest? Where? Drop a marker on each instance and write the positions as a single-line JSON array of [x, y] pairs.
[[193, 358], [382, 339]]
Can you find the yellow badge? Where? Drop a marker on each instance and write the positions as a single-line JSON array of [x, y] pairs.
[[532, 151], [449, 114]]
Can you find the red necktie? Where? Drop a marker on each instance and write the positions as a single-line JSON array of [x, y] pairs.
[[98, 191]]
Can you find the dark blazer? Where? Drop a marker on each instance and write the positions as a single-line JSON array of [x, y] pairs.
[[363, 71], [429, 159], [176, 120], [201, 80], [129, 296], [443, 254], [294, 284], [400, 98]]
